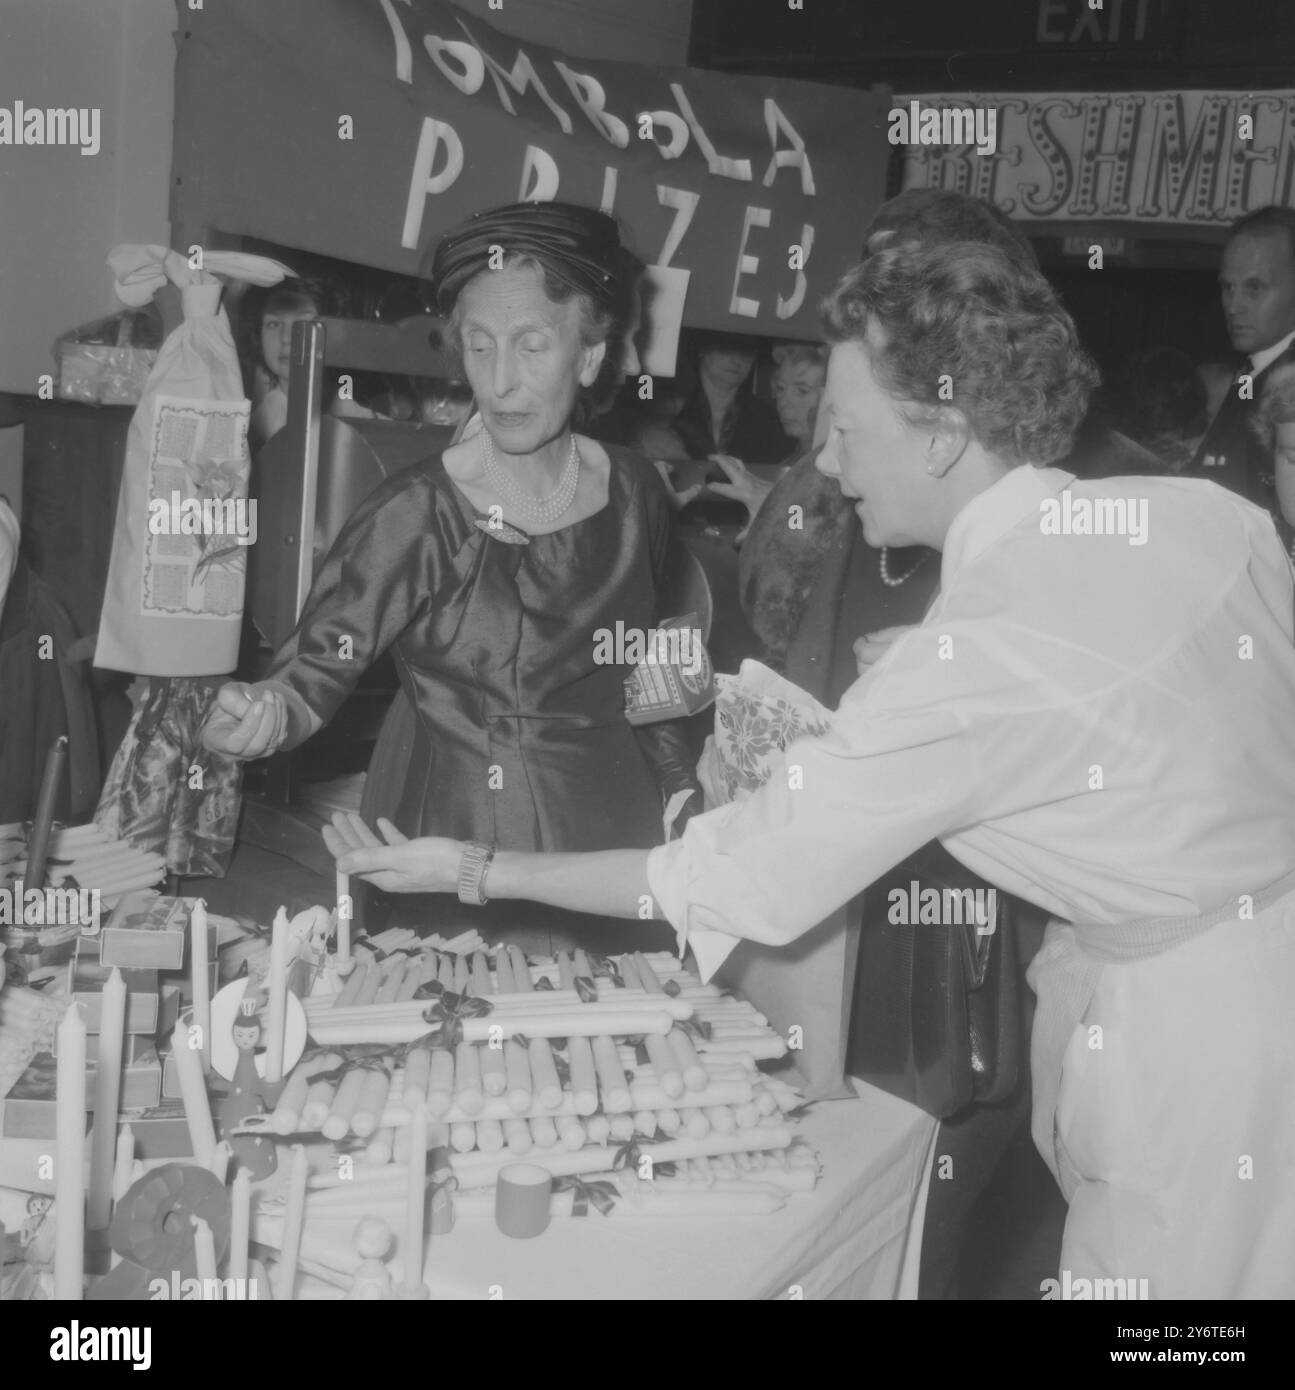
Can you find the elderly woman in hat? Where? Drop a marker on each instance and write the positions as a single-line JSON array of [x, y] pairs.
[[490, 570], [1094, 715]]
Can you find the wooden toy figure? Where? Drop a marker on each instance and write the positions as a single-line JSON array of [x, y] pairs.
[[245, 1098], [372, 1243]]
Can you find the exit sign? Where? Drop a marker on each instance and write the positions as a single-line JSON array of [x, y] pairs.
[[1073, 23]]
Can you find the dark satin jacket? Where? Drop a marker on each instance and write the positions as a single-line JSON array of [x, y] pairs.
[[504, 729]]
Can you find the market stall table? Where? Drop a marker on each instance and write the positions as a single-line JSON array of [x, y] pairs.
[[857, 1235]]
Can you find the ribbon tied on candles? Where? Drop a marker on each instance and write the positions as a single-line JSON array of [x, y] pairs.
[[447, 1011], [695, 1028], [606, 968], [631, 1154], [586, 989], [360, 1057], [586, 1192]]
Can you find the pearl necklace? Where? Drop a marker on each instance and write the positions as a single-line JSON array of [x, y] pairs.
[[538, 511], [893, 583]]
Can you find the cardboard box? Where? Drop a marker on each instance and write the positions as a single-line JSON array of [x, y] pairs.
[[672, 677], [162, 1132], [143, 999], [146, 931], [141, 1080]]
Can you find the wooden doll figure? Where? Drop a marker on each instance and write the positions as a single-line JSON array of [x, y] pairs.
[[245, 1098], [372, 1277]]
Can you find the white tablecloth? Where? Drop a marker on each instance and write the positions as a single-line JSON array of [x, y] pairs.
[[857, 1235]]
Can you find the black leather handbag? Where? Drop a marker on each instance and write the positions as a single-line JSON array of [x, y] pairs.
[[936, 1018]]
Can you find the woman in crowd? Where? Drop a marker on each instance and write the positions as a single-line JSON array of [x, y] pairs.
[[722, 415], [490, 571], [800, 370], [267, 318], [1110, 760]]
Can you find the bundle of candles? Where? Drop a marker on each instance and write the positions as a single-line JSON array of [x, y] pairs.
[[432, 1068], [85, 856]]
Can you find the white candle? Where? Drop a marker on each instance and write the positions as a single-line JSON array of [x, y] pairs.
[[107, 1093], [199, 966], [193, 1089], [123, 1173], [278, 987], [415, 1199], [292, 1223], [343, 919], [240, 1225], [69, 1171], [220, 1157], [204, 1249]]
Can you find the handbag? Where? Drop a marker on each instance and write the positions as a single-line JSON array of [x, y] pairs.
[[936, 1016]]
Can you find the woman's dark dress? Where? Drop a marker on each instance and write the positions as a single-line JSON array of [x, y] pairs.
[[505, 728]]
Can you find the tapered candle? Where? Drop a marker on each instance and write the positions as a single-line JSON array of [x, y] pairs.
[[204, 1250], [415, 1200], [107, 1093], [193, 1089], [200, 965], [343, 921], [69, 1170], [504, 982], [123, 1169], [278, 987], [43, 822], [294, 1216], [240, 1224], [220, 1158]]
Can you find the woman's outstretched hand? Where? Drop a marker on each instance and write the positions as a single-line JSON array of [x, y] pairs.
[[401, 865], [742, 486]]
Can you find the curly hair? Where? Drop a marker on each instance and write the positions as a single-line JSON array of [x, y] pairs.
[[1276, 405], [968, 326]]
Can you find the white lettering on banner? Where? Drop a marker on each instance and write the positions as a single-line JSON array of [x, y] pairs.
[[685, 206], [720, 165], [522, 76], [539, 177], [608, 200], [1196, 158], [404, 54], [677, 127], [748, 265], [592, 100], [785, 308], [423, 182], [775, 121], [470, 80]]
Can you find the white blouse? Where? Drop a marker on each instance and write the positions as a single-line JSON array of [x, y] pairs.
[[1102, 724]]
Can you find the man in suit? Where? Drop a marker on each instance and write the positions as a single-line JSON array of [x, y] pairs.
[[1257, 280]]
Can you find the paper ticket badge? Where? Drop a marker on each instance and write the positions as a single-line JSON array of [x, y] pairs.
[[672, 675]]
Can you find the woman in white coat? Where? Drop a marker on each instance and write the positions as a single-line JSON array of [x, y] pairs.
[[1095, 715]]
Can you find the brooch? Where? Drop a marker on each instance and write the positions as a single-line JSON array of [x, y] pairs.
[[502, 531]]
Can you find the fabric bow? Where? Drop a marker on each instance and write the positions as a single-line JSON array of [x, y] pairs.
[[607, 968], [586, 990], [630, 1154], [140, 271], [601, 1194], [447, 1011], [360, 1057]]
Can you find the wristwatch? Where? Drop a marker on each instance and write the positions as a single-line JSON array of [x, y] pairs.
[[473, 864]]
